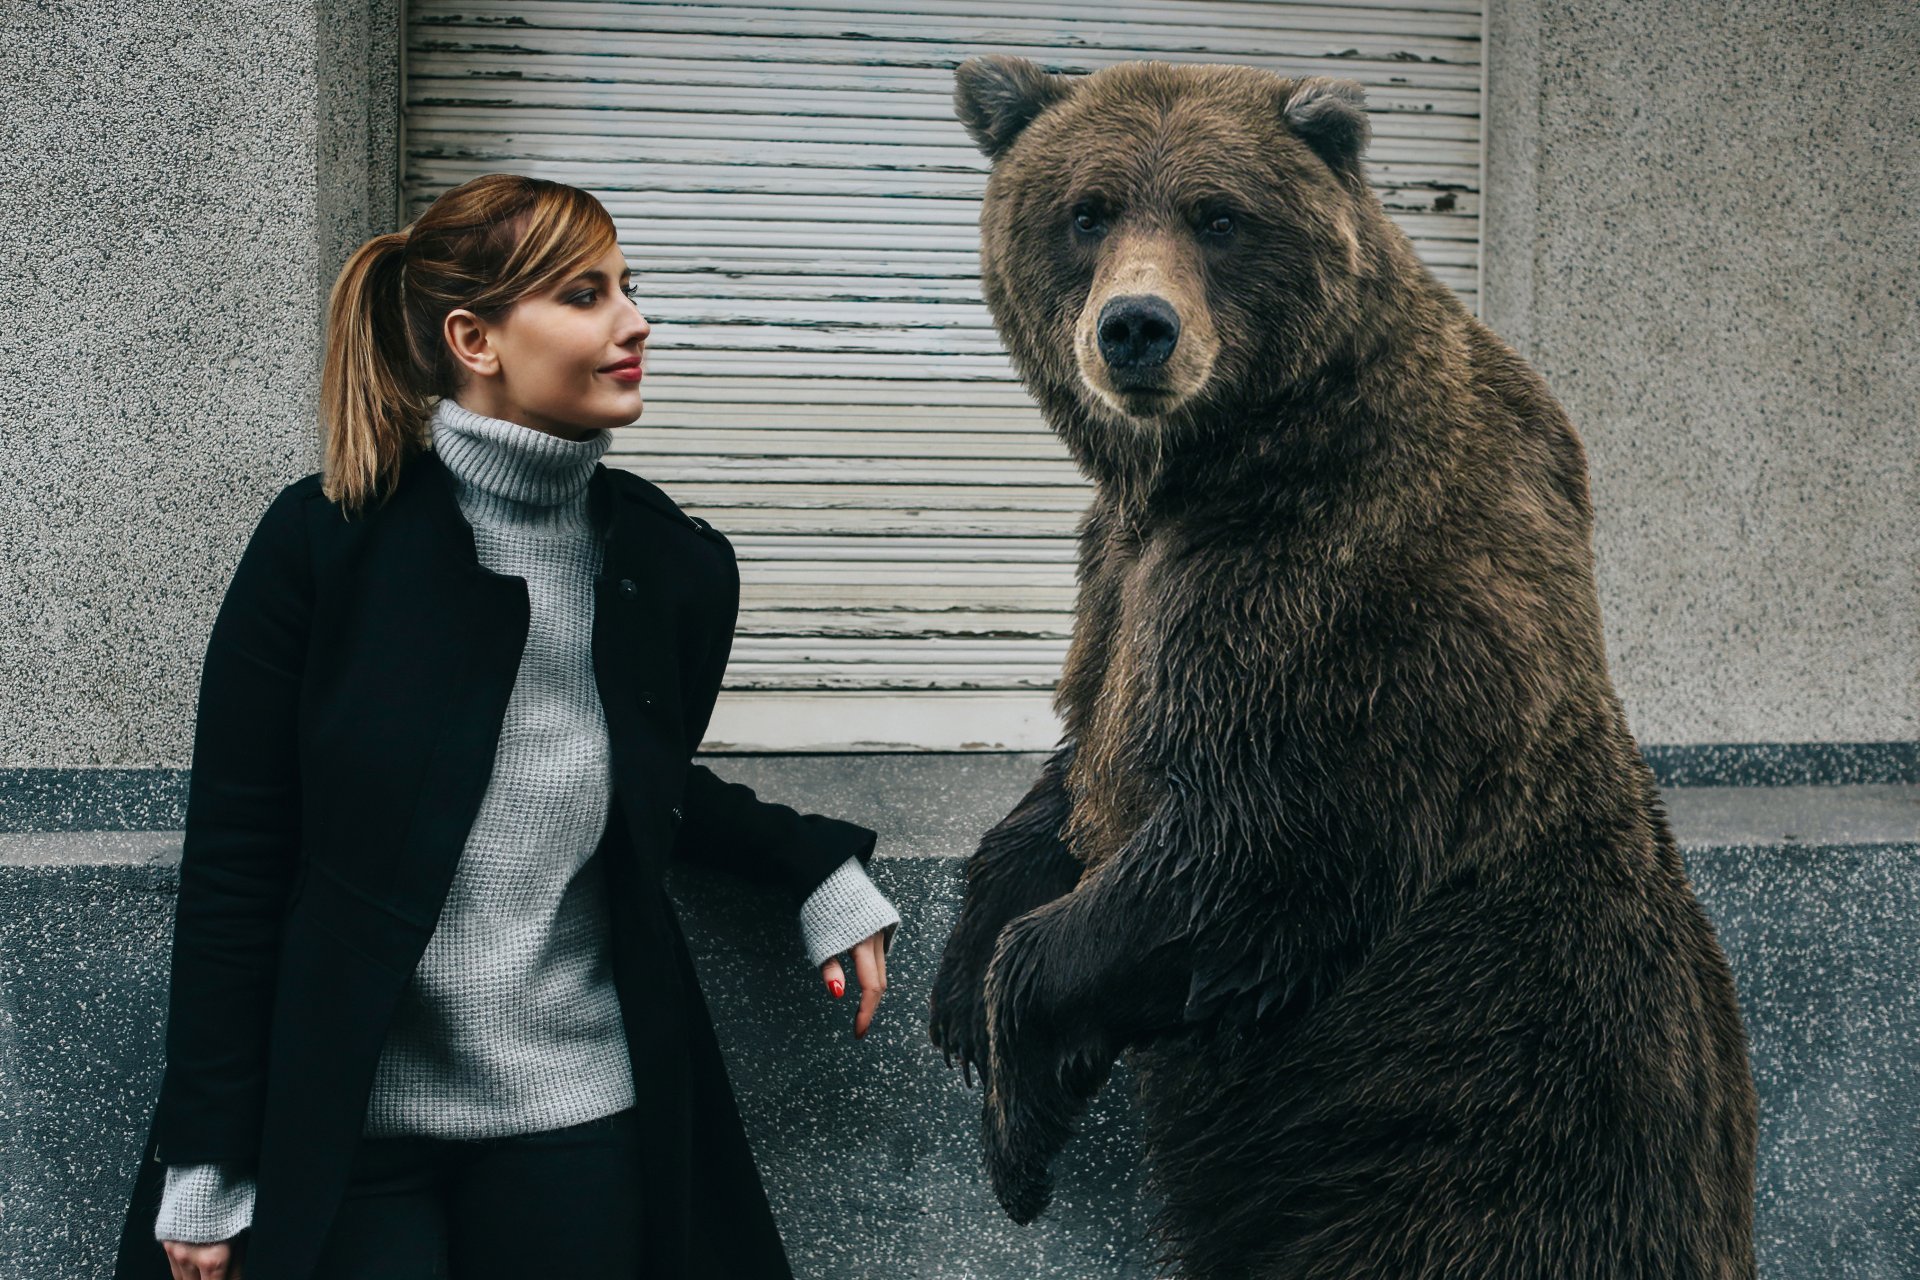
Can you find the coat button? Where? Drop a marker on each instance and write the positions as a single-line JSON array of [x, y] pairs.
[[627, 587], [675, 811]]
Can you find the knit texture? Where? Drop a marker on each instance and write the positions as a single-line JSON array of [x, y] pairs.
[[204, 1204], [510, 1022], [845, 909]]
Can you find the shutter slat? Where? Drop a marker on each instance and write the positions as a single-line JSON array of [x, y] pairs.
[[1062, 23], [670, 472], [446, 85], [767, 625], [791, 33], [795, 442], [726, 85], [1458, 142], [931, 516], [1441, 163], [966, 554], [428, 174]]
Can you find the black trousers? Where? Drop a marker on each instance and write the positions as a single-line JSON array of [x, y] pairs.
[[564, 1202]]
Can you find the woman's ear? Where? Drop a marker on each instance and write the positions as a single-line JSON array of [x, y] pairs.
[[466, 338], [998, 96]]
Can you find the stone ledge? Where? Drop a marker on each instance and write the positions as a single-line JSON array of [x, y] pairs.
[[938, 806], [155, 799]]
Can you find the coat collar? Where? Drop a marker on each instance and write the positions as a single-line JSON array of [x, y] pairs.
[[619, 515], [636, 603]]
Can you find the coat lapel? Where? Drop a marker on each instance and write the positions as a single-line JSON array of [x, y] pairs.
[[636, 662], [636, 618], [480, 619]]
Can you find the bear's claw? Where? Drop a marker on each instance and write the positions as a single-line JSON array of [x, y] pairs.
[[956, 1022]]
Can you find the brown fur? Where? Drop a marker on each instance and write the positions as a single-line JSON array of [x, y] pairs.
[[1347, 842]]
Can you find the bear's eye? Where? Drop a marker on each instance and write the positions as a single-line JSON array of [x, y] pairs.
[[1086, 220], [1220, 224]]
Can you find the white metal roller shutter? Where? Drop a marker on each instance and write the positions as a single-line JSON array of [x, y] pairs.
[[799, 206]]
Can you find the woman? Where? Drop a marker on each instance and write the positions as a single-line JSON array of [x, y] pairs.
[[431, 1012]]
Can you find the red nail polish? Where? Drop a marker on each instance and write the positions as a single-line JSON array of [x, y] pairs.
[[836, 986]]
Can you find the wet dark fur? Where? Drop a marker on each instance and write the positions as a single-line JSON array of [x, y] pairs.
[[1347, 841]]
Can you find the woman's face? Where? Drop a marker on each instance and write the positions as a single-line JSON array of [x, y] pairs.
[[553, 360]]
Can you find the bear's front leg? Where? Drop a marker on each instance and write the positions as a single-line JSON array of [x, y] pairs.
[[1070, 985], [1020, 864]]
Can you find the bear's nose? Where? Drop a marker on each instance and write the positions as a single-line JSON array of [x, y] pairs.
[[1138, 331]]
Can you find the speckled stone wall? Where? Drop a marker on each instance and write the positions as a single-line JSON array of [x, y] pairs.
[[1701, 227], [869, 1149], [183, 182]]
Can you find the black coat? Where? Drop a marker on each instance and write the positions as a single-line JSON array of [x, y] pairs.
[[350, 706]]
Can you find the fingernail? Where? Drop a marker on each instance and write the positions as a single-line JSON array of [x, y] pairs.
[[836, 986]]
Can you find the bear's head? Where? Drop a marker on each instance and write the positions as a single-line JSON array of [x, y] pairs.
[[1166, 244]]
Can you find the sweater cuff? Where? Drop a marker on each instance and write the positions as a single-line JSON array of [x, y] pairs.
[[204, 1204], [846, 909]]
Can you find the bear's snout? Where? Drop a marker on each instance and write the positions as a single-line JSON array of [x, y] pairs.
[[1137, 334], [1144, 340]]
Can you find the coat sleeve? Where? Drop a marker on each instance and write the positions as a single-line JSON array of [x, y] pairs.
[[239, 851], [724, 824]]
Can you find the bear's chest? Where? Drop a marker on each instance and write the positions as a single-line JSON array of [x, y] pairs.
[[1112, 781]]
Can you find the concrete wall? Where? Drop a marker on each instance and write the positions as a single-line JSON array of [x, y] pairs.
[[183, 184], [1701, 227]]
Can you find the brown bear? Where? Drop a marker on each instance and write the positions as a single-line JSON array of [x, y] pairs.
[[1346, 842]]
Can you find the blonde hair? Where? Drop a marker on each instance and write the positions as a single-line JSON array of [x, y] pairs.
[[481, 246]]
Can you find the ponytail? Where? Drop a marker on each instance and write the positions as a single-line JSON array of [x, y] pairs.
[[371, 406]]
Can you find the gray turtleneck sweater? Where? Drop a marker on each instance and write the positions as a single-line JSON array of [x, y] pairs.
[[510, 1023]]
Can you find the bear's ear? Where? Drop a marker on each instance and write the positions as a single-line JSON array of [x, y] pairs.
[[998, 96], [1328, 116]]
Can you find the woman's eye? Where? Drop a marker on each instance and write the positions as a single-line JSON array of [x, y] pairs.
[[591, 296]]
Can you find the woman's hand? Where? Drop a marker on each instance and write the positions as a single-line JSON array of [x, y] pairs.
[[204, 1261], [870, 962]]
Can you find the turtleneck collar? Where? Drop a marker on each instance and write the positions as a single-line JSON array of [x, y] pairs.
[[509, 462]]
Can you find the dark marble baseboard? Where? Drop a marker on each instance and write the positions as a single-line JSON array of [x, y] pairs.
[[1784, 764], [156, 799], [869, 1149], [93, 799]]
